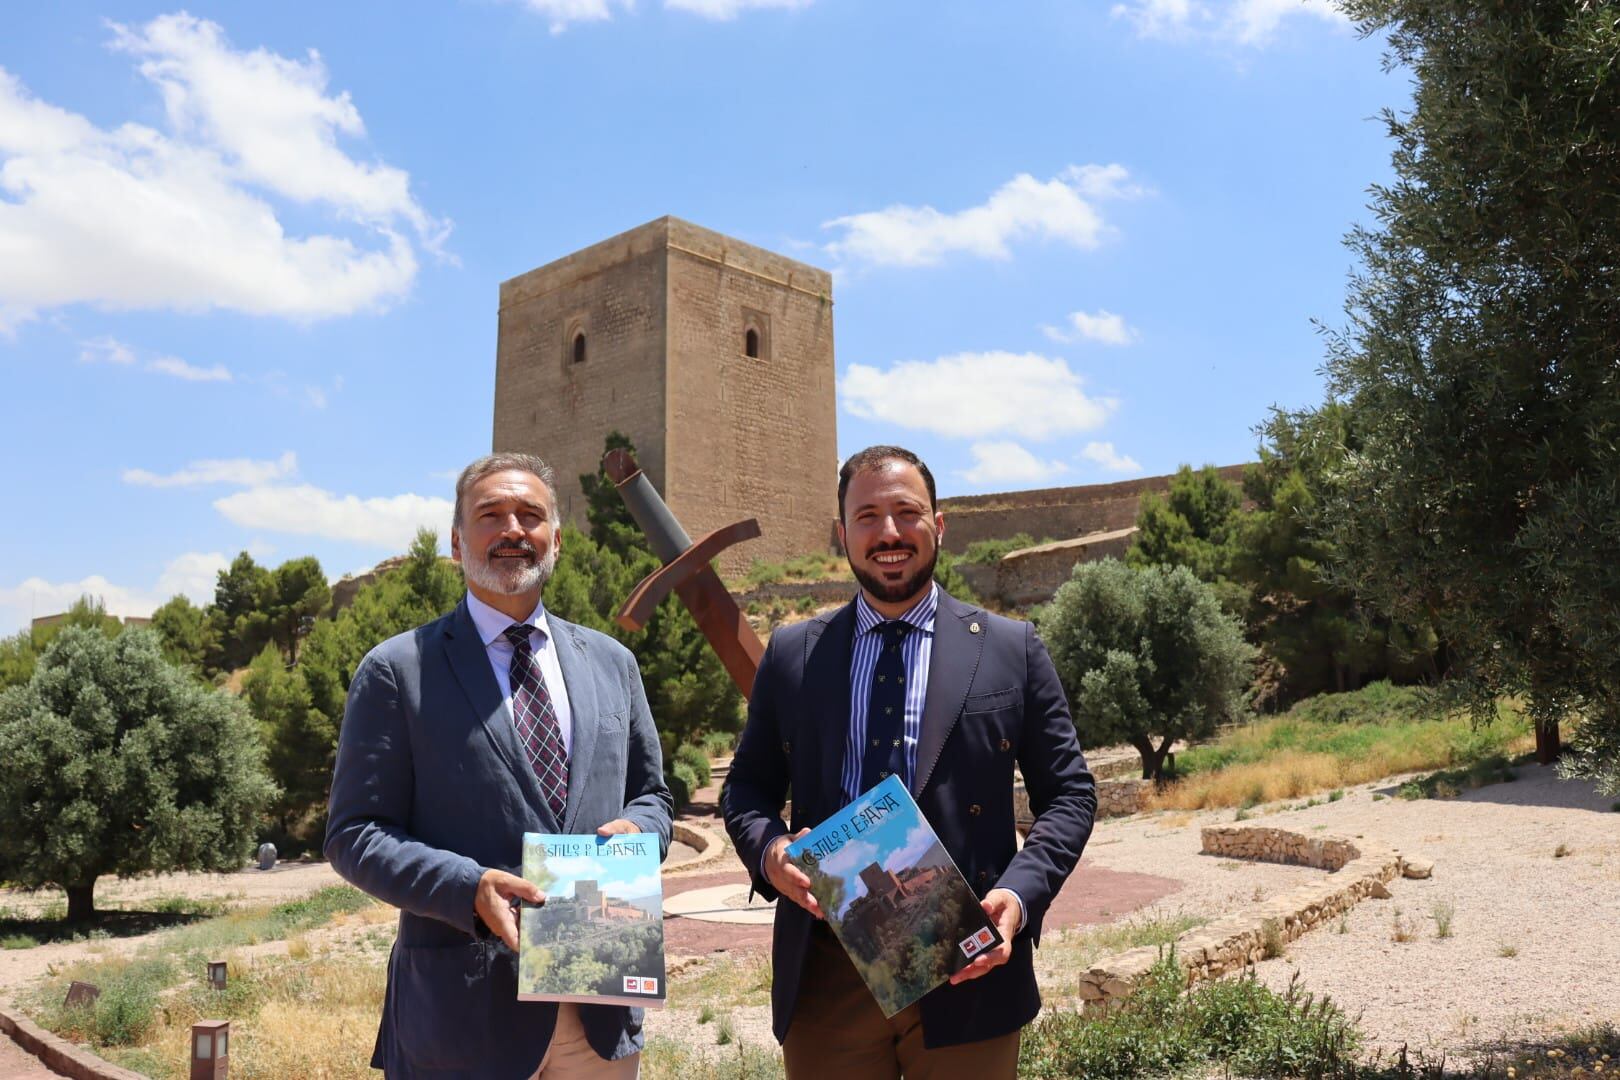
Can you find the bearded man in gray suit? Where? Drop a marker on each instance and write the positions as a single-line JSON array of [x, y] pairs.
[[460, 736]]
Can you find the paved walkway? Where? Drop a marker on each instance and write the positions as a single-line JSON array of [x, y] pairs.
[[17, 1064], [1092, 895]]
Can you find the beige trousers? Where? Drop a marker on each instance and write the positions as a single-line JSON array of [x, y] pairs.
[[839, 1031], [570, 1057]]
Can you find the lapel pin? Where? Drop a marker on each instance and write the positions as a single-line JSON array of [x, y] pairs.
[[973, 628]]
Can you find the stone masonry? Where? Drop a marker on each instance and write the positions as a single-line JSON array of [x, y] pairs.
[[716, 359], [1359, 869], [1058, 513]]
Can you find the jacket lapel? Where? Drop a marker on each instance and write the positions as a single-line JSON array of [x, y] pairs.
[[469, 661], [828, 646], [959, 633], [580, 683]]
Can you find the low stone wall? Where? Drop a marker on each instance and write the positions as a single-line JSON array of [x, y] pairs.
[[1115, 798], [56, 1053], [1359, 870]]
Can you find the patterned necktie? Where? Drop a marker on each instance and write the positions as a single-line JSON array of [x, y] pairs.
[[536, 721], [886, 709]]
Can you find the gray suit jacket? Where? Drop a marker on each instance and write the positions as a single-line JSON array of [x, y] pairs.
[[431, 788]]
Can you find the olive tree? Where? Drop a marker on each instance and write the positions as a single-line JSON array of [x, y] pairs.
[[118, 762], [1146, 656]]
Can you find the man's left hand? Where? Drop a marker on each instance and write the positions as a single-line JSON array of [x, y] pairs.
[[1003, 909], [617, 827]]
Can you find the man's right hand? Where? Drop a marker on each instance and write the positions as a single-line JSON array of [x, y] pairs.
[[788, 879], [493, 903]]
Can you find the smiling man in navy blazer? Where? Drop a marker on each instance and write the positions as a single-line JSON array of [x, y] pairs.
[[981, 695], [459, 737]]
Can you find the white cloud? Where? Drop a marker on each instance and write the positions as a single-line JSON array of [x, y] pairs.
[[387, 522], [1104, 454], [171, 365], [1005, 462], [237, 472], [1061, 209], [132, 217], [970, 395], [563, 13], [730, 9], [106, 350], [1104, 327], [192, 574], [1244, 22], [919, 840]]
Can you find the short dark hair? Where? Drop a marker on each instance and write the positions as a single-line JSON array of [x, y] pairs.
[[874, 456]]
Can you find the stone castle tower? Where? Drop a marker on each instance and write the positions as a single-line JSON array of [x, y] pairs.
[[716, 359]]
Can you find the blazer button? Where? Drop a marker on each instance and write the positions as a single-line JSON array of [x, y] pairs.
[[975, 809], [1006, 745], [984, 876], [787, 748]]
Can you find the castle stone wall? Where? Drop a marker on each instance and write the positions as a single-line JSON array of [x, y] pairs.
[[665, 309], [1058, 513], [545, 403]]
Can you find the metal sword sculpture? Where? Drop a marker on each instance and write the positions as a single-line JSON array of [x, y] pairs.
[[686, 572]]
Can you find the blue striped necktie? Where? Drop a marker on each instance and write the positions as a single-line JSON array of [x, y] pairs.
[[886, 709]]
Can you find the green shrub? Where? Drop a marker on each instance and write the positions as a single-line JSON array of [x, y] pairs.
[[697, 760], [988, 552], [719, 743], [681, 784], [126, 1009], [1236, 1026]]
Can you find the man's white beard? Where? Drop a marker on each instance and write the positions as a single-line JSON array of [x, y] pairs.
[[509, 577]]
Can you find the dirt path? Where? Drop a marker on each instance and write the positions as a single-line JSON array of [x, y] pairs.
[[18, 1064], [1533, 949]]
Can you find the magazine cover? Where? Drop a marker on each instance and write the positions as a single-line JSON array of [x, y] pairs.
[[893, 896], [599, 937]]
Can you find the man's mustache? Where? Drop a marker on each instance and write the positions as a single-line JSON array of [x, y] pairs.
[[520, 547]]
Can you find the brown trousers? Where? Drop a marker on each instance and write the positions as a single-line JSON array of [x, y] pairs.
[[839, 1031]]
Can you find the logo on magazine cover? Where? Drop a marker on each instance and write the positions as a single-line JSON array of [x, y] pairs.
[[977, 943], [640, 984]]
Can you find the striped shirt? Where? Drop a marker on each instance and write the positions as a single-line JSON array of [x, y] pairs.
[[915, 651]]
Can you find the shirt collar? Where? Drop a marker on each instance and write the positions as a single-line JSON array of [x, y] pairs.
[[492, 624], [920, 614]]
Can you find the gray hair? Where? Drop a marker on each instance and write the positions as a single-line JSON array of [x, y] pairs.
[[502, 462]]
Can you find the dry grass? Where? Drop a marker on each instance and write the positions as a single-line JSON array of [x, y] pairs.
[[1386, 750], [314, 1019], [1289, 775]]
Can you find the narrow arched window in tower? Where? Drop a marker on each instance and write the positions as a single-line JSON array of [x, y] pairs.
[[579, 347], [751, 343]]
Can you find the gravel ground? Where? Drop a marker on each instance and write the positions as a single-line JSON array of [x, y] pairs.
[[1533, 949]]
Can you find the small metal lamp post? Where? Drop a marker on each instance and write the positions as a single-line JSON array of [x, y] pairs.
[[210, 1050], [216, 974]]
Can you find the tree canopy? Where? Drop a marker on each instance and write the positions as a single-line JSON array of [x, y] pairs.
[[118, 762], [1146, 657], [1480, 358]]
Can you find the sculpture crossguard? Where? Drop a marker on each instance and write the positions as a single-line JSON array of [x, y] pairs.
[[686, 572]]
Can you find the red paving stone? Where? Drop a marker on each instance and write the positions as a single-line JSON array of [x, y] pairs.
[[18, 1064], [1091, 896]]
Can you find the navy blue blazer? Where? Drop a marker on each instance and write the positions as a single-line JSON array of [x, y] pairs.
[[993, 699], [431, 788]]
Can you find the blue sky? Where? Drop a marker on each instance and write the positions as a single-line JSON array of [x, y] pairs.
[[899, 839], [249, 254], [626, 877]]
